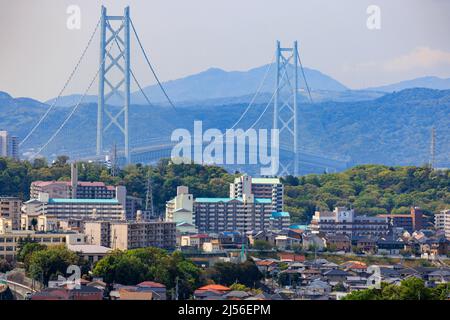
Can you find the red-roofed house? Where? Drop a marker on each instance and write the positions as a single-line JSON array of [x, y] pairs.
[[158, 289], [291, 257]]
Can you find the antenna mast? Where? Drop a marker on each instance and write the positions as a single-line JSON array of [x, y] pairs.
[[149, 209], [114, 160]]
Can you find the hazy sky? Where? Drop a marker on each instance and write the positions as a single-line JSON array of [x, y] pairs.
[[38, 51]]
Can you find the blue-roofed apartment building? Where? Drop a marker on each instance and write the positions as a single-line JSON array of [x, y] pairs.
[[253, 205], [64, 209], [232, 214]]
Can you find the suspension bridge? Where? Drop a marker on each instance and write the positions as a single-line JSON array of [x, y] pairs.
[[115, 76]]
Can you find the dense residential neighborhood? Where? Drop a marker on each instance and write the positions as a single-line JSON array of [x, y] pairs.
[[245, 246]]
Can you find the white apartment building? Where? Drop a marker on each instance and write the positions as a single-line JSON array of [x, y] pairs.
[[62, 208], [181, 210], [10, 208], [344, 221], [124, 235], [10, 240], [215, 215], [442, 222], [9, 145], [264, 188], [243, 211]]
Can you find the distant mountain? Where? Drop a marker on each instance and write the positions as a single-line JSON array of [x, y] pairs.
[[393, 129], [216, 83], [423, 82]]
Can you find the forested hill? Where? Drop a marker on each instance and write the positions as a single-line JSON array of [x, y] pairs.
[[392, 130], [370, 189]]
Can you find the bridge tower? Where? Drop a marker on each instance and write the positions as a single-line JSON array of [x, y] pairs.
[[114, 31], [285, 116]]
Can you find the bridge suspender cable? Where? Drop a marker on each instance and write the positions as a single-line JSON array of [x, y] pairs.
[[55, 101], [304, 77], [256, 93], [268, 104], [151, 67], [76, 106]]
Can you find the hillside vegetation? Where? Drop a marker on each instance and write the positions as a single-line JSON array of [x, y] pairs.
[[370, 189]]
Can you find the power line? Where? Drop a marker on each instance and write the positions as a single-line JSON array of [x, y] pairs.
[[64, 87]]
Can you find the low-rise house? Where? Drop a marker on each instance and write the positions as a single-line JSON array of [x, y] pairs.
[[435, 247], [290, 257], [231, 240], [211, 246], [297, 266], [265, 265], [389, 275], [329, 266], [365, 244], [358, 282], [211, 292], [336, 275], [236, 295], [262, 235], [89, 252], [194, 241], [283, 242], [316, 290], [354, 266], [158, 289], [390, 246], [310, 273], [439, 276], [134, 294], [82, 292], [409, 272], [312, 241], [339, 242]]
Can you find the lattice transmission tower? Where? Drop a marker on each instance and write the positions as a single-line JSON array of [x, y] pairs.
[[114, 30], [149, 206], [285, 116], [433, 148]]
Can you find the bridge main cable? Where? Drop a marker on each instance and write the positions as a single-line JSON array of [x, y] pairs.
[[151, 67], [75, 107], [55, 101]]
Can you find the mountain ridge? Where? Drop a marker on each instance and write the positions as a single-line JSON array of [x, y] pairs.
[[393, 129]]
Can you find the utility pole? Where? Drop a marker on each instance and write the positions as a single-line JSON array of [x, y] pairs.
[[176, 288]]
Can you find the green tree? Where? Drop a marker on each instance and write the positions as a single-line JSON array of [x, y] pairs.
[[47, 264], [262, 245], [227, 273], [133, 266], [26, 249], [5, 266]]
